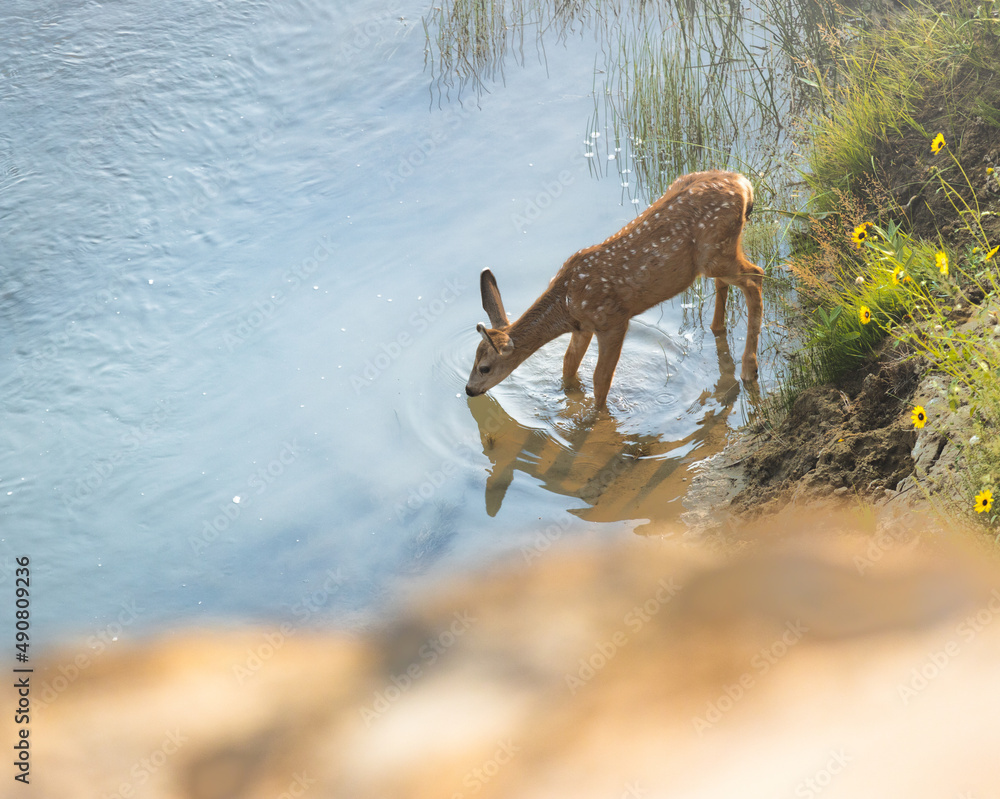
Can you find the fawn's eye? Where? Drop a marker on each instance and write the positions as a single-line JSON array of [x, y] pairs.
[[484, 370]]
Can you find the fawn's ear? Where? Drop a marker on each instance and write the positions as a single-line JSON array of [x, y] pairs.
[[486, 335], [492, 303], [497, 339]]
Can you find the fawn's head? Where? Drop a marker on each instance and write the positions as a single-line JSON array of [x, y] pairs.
[[496, 355]]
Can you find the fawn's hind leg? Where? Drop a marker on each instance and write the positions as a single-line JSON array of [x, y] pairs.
[[738, 271], [751, 280]]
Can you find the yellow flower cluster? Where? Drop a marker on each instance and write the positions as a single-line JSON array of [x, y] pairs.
[[918, 415]]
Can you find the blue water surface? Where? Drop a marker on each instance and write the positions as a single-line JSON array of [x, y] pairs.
[[239, 255]]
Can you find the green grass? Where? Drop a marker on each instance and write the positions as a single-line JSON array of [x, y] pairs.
[[882, 78], [683, 85]]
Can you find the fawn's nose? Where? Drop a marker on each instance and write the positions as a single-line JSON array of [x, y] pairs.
[[471, 391]]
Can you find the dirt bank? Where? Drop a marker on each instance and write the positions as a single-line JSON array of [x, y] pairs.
[[847, 444]]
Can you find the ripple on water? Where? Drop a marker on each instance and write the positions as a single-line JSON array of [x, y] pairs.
[[669, 408], [532, 400]]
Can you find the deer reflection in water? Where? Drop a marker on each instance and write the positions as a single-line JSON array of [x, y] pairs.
[[619, 475]]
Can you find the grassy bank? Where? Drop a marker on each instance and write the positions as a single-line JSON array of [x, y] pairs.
[[902, 261]]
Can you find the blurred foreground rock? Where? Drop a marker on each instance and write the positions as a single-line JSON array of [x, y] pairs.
[[819, 661]]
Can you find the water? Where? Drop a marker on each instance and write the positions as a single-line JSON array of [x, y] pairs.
[[239, 286]]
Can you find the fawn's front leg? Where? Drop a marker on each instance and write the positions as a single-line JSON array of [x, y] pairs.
[[609, 348], [574, 354]]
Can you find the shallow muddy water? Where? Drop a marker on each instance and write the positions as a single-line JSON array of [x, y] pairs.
[[239, 270]]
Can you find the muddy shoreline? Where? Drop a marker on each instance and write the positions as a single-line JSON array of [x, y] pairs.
[[848, 445]]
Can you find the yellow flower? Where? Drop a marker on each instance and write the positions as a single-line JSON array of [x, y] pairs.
[[938, 143], [942, 263], [991, 253], [989, 170], [865, 314], [984, 500], [899, 276], [860, 234], [919, 417]]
